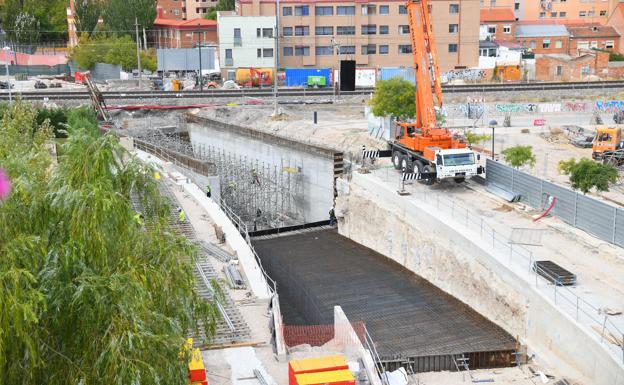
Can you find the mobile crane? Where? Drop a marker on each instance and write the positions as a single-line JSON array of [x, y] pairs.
[[422, 146]]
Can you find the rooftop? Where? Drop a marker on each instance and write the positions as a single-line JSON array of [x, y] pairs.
[[537, 30], [186, 24], [497, 14], [592, 30]]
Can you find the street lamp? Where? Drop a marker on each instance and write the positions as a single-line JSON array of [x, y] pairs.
[[7, 55], [493, 124]]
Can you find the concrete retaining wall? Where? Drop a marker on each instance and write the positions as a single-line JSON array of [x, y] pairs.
[[448, 254]]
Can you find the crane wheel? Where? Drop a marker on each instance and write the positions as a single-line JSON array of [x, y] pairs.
[[396, 160], [419, 165], [406, 164], [429, 181]]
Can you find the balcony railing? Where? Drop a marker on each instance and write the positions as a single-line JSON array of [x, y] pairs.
[[229, 62], [238, 42]]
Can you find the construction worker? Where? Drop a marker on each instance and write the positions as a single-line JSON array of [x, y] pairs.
[[332, 217], [181, 215], [254, 177], [208, 191]]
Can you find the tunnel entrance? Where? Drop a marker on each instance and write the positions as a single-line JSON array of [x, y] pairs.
[[412, 322]]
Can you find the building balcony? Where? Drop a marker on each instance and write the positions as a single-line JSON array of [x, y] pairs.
[[229, 62], [238, 42]]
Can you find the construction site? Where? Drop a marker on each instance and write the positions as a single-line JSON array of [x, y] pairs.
[[355, 249]]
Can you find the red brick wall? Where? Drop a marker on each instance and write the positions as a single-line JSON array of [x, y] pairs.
[[167, 9], [539, 41], [500, 35], [601, 43], [546, 67], [183, 38]]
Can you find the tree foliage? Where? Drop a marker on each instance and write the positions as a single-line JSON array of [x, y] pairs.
[[395, 97], [119, 15], [88, 296], [222, 5], [519, 156], [473, 138], [119, 50], [87, 13], [31, 21], [587, 174]]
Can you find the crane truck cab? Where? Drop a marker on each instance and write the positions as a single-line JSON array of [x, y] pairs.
[[607, 140]]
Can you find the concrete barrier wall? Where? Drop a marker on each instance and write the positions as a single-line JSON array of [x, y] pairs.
[[449, 255]]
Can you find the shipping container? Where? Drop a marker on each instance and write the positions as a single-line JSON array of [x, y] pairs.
[[314, 365], [336, 377], [299, 76], [405, 73]]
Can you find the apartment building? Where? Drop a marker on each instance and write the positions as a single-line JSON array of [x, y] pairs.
[[184, 33], [543, 38], [584, 37], [197, 8], [497, 24], [587, 11], [245, 41], [319, 33], [171, 9]]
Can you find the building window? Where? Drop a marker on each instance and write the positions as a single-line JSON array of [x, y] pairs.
[[491, 29], [176, 12], [582, 45], [369, 29], [237, 33], [264, 32], [267, 52], [609, 44], [453, 28], [287, 31], [516, 6], [345, 10], [403, 29], [585, 70], [591, 14], [452, 48], [228, 53], [301, 50], [546, 43], [384, 9], [347, 50], [559, 71], [594, 44], [562, 14], [259, 52], [384, 30], [603, 13], [302, 10], [383, 49], [405, 48], [582, 13], [287, 11], [288, 51], [453, 8], [324, 51], [321, 31], [258, 32], [542, 15], [369, 9], [493, 3], [506, 28], [558, 44], [345, 30], [369, 49], [302, 30], [532, 44], [553, 14], [323, 11], [402, 10]]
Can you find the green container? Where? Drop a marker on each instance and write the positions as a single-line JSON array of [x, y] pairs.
[[318, 81]]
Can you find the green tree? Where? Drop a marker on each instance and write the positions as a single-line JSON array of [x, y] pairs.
[[119, 50], [473, 138], [48, 24], [87, 13], [222, 5], [519, 156], [119, 15], [587, 174], [395, 97], [88, 296]]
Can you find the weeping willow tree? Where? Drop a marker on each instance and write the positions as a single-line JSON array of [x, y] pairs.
[[87, 295]]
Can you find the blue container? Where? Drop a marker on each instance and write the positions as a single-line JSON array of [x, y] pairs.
[[299, 76], [405, 73]]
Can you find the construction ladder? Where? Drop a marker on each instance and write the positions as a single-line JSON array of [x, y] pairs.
[[97, 99], [462, 363]]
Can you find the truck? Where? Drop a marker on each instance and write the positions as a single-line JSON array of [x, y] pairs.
[[608, 146], [422, 147]]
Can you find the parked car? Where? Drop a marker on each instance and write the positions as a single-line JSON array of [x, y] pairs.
[[5, 85], [583, 141]]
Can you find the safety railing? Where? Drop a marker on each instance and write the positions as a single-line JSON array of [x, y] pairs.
[[515, 255]]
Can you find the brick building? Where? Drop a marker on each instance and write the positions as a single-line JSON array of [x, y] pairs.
[[565, 10], [184, 33], [543, 39], [561, 67], [171, 9], [497, 24], [320, 33], [583, 37]]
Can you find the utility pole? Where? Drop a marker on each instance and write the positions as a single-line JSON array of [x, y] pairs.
[[201, 78], [276, 55], [136, 26]]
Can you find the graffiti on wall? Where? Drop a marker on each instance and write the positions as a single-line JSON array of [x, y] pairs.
[[575, 106], [467, 74], [611, 106]]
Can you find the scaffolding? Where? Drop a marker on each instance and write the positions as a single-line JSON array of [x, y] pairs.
[[264, 195]]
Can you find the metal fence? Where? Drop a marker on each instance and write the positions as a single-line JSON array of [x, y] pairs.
[[588, 214]]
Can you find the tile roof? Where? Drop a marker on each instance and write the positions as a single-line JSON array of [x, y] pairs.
[[201, 22], [540, 30], [497, 14], [594, 30]]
